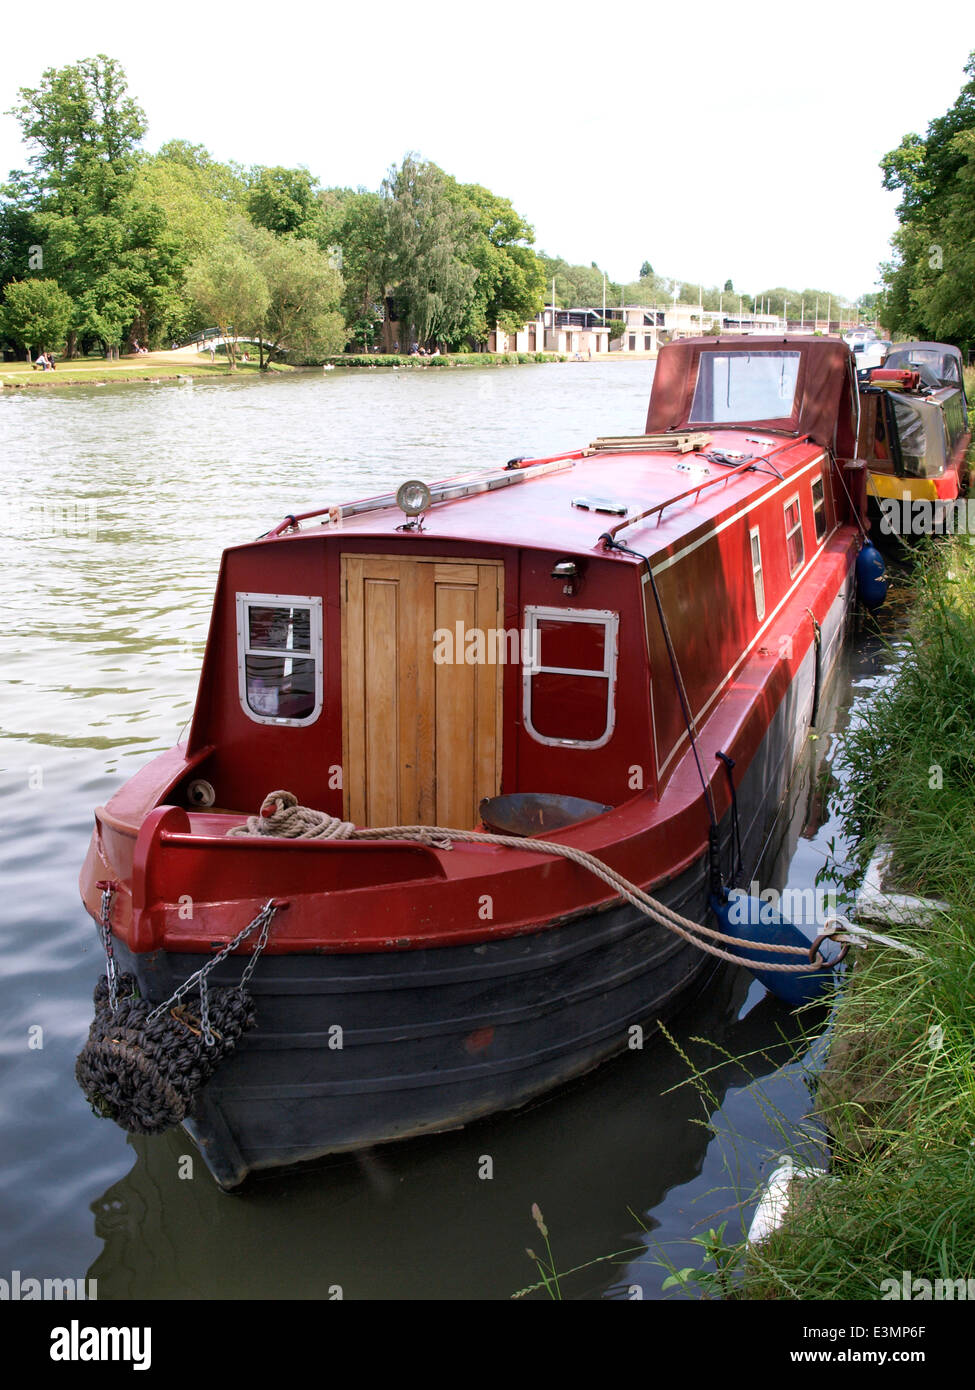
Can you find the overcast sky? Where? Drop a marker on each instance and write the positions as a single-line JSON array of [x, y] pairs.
[[621, 132]]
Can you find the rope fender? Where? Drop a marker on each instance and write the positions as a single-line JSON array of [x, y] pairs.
[[144, 1073], [143, 1064]]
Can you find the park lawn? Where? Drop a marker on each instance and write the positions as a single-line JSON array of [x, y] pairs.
[[149, 367]]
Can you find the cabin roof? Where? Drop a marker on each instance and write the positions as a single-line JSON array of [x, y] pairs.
[[539, 513]]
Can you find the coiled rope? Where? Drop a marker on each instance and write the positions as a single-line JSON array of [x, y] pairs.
[[281, 815]]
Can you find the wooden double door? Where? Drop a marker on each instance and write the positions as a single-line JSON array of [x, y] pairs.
[[421, 733]]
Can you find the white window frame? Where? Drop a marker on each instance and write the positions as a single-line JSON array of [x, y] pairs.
[[794, 570], [820, 509], [313, 603], [532, 667], [758, 574]]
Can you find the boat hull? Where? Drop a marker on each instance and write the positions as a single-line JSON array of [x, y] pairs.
[[358, 1049]]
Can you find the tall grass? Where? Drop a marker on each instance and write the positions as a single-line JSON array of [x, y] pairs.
[[898, 1091]]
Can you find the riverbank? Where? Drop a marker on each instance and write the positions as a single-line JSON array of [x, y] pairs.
[[442, 360], [170, 366], [897, 1095], [149, 366]]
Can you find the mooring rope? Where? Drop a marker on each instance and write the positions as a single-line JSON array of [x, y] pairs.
[[281, 815]]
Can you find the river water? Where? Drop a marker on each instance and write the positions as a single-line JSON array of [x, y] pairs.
[[115, 503]]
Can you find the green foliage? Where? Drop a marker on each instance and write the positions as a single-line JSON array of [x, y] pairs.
[[646, 270], [578, 286], [430, 231], [108, 247], [229, 286], [285, 201], [898, 1092], [36, 314], [930, 279]]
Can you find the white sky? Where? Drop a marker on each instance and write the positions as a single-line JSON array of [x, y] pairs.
[[623, 132]]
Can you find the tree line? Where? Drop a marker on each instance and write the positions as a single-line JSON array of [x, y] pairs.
[[104, 246], [929, 282]]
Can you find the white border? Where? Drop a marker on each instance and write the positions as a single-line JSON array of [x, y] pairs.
[[610, 622], [313, 603]]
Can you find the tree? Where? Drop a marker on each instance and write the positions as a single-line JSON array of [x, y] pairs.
[[510, 285], [304, 294], [646, 270], [929, 284], [728, 288], [429, 230], [285, 201], [359, 251], [230, 287], [36, 314], [109, 249]]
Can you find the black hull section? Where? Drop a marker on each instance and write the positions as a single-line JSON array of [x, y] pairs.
[[355, 1050]]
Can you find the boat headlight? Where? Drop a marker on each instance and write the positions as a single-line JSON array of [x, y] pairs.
[[413, 497]]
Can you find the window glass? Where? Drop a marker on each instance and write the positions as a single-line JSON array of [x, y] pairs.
[[793, 535], [571, 645], [742, 386], [757, 574], [819, 507], [570, 676], [279, 655]]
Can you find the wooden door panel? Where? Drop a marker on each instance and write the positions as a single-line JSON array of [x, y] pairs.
[[421, 740]]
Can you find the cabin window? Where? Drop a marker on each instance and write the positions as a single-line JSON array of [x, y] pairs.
[[279, 657], [570, 676], [819, 507], [793, 535], [743, 386], [759, 582]]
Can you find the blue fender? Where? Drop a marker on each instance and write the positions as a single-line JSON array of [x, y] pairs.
[[754, 920], [871, 576]]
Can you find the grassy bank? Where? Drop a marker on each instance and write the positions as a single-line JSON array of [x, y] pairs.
[[92, 371], [898, 1091]]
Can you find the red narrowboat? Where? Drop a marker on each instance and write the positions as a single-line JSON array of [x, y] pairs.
[[619, 650]]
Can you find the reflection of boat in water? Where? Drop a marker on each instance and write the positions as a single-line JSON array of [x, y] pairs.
[[670, 656], [914, 434]]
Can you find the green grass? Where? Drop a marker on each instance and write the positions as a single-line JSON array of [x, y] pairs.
[[88, 370], [898, 1091]]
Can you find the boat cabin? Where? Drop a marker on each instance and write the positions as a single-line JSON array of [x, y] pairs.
[[397, 669]]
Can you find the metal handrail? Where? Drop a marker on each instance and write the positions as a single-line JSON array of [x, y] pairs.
[[707, 482]]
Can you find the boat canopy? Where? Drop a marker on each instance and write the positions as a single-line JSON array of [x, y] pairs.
[[793, 385], [941, 360]]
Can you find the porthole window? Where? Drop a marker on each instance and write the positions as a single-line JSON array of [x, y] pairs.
[[570, 676], [279, 657]]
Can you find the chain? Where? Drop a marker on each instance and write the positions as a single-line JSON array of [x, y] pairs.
[[199, 977], [105, 933]]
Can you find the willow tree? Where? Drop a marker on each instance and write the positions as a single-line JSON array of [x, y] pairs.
[[429, 234]]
